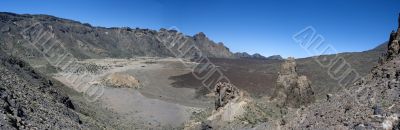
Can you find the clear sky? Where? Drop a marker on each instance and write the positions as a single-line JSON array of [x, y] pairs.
[[250, 26]]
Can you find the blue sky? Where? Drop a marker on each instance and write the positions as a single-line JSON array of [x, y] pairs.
[[250, 26]]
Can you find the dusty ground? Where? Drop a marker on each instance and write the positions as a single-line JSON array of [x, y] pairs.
[[251, 75], [156, 102], [258, 77], [169, 94]]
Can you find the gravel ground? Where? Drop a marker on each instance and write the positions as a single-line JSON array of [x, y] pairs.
[[156, 104]]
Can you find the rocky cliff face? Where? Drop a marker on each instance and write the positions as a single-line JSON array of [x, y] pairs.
[[372, 103], [85, 41], [394, 43], [292, 89]]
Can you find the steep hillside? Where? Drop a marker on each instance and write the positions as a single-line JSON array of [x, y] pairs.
[[30, 101], [362, 62], [371, 103], [85, 41]]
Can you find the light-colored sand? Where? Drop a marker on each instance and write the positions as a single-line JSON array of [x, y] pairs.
[[156, 101], [135, 106]]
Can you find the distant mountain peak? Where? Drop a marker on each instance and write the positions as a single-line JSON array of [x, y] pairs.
[[98, 42], [257, 56], [200, 35]]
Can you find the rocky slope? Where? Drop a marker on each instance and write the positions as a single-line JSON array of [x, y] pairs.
[[30, 101], [86, 41], [372, 103]]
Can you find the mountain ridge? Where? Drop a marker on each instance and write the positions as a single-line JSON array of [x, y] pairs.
[[86, 41], [207, 46]]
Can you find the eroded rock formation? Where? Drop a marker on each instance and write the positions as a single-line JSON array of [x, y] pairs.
[[225, 92], [292, 89], [394, 43], [229, 103]]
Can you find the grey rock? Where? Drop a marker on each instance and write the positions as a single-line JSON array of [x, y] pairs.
[[377, 109], [292, 89], [242, 55], [275, 57], [369, 102], [29, 101], [256, 56], [394, 44], [225, 92], [85, 41]]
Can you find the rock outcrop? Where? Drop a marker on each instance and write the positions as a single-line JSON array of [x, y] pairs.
[[394, 44], [372, 103], [225, 92], [292, 89], [235, 109], [229, 102]]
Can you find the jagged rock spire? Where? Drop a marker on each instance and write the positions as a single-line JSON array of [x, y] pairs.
[[225, 92], [398, 26], [394, 44], [398, 20], [293, 89], [288, 67], [392, 35]]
